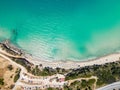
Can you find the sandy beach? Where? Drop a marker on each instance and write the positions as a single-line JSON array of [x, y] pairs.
[[75, 64], [70, 64]]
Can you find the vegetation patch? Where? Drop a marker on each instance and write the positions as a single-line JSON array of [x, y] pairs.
[[38, 70], [10, 67], [1, 81], [47, 71], [17, 75], [81, 85], [106, 74]]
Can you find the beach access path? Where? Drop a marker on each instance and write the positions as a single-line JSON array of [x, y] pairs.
[[45, 82]]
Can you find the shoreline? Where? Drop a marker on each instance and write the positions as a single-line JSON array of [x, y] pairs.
[[77, 64], [68, 64]]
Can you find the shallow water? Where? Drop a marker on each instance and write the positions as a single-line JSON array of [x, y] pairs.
[[62, 29]]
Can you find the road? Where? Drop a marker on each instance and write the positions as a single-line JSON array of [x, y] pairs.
[[112, 86]]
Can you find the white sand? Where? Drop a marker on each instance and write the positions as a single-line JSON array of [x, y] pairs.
[[75, 64]]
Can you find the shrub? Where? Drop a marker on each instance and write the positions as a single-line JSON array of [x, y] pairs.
[[17, 76], [1, 81], [91, 81], [10, 67]]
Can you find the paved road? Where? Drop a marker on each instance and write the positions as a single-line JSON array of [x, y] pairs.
[[113, 86]]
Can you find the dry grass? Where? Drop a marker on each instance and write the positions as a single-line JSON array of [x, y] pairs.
[[7, 74]]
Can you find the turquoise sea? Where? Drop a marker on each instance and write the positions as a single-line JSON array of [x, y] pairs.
[[62, 29]]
